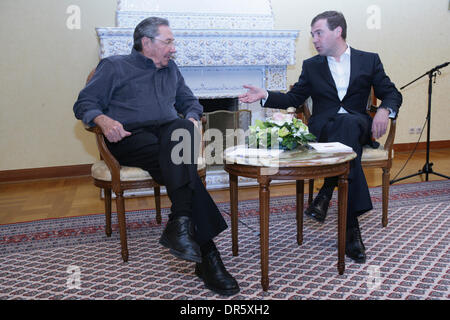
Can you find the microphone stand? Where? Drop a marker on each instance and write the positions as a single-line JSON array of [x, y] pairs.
[[427, 168]]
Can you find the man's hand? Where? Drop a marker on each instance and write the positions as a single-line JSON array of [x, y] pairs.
[[380, 122], [112, 129], [252, 95]]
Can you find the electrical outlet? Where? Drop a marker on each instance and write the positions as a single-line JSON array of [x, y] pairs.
[[412, 130], [418, 130]]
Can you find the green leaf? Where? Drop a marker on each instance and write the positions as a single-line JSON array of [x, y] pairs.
[[309, 137], [260, 124], [283, 132]]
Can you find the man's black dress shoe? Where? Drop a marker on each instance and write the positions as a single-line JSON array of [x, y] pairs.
[[213, 273], [178, 236], [318, 208], [354, 247]]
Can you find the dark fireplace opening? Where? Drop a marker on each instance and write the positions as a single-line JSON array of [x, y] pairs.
[[223, 114], [228, 104]]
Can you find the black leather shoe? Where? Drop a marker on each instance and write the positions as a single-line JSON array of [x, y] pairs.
[[213, 273], [354, 247], [318, 208], [178, 236]]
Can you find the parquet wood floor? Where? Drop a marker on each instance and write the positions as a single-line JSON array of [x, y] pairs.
[[76, 196]]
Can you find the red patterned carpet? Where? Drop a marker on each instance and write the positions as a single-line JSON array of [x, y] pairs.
[[71, 258]]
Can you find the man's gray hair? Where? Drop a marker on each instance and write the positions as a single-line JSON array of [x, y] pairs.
[[147, 28]]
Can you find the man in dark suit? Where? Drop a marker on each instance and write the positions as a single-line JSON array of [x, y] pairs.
[[339, 80]]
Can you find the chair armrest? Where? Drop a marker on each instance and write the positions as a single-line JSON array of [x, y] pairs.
[[389, 144], [302, 112], [306, 112], [94, 129], [111, 162], [203, 122]]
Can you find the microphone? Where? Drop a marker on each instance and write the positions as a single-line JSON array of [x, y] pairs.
[[442, 65]]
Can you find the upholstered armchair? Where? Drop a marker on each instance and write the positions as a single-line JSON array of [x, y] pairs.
[[110, 176]]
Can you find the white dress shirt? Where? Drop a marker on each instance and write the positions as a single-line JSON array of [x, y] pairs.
[[340, 71]]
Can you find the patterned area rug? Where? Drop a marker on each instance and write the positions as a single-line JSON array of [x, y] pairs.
[[71, 258]]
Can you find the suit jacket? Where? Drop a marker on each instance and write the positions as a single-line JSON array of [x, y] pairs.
[[316, 81]]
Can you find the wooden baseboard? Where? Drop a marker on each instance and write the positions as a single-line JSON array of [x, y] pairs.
[[404, 147], [45, 173], [85, 169]]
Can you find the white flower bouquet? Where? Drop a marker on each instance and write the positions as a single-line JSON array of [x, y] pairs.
[[282, 131]]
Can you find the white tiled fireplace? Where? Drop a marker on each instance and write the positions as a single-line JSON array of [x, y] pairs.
[[221, 45]]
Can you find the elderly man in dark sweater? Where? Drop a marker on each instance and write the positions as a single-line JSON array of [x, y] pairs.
[[136, 100]]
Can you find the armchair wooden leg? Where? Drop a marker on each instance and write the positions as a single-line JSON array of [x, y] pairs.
[[122, 225], [203, 178], [234, 214], [311, 191], [342, 220], [108, 229], [385, 188], [157, 194]]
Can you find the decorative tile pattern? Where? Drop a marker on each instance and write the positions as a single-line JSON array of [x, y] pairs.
[[212, 38], [199, 20], [214, 47], [233, 14]]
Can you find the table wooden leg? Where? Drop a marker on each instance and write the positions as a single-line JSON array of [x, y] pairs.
[[234, 213], [264, 198], [300, 190], [342, 220]]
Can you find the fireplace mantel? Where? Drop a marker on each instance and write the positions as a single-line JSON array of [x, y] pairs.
[[216, 63], [202, 48]]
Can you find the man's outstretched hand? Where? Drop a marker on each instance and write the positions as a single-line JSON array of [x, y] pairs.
[[253, 94], [112, 129]]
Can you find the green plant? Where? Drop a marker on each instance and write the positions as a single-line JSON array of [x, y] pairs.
[[282, 131]]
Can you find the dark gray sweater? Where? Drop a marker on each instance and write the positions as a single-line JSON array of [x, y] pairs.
[[131, 90]]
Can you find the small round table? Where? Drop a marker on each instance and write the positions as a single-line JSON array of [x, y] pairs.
[[299, 164]]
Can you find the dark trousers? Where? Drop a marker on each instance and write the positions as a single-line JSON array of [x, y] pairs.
[[352, 130], [150, 147]]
